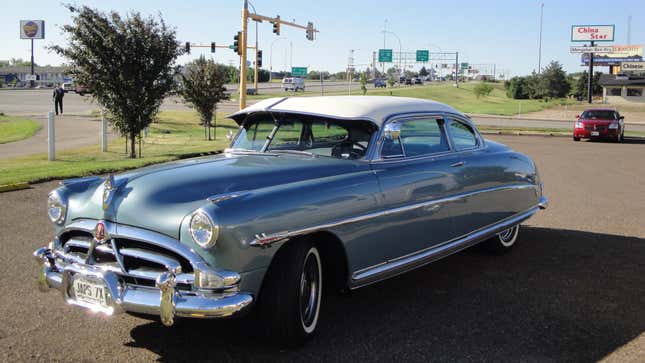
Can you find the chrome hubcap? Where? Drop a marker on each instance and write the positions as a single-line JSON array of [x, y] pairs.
[[309, 290]]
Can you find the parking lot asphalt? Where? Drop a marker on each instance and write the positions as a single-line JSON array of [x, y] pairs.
[[573, 289]]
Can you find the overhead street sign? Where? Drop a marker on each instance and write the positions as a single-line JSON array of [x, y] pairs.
[[385, 55], [592, 33], [601, 49], [464, 65], [423, 55], [298, 71]]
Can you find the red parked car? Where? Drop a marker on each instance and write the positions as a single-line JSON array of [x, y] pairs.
[[599, 124]]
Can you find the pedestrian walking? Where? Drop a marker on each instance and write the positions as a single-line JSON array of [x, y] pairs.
[[59, 93]]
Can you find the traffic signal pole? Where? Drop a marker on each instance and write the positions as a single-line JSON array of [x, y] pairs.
[[245, 15]]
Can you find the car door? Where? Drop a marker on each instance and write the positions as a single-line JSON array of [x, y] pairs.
[[414, 171], [489, 188]]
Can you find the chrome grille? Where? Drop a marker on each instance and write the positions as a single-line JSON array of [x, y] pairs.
[[136, 262]]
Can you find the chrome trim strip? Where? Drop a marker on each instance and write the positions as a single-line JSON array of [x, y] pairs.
[[169, 264], [411, 261], [265, 240], [217, 198]]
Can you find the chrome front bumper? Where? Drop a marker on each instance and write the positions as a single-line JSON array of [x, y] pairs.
[[163, 300]]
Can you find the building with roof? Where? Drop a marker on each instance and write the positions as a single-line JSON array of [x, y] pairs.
[[47, 76], [623, 88]]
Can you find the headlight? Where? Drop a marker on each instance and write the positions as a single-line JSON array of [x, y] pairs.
[[579, 125], [202, 229], [613, 125], [56, 207]]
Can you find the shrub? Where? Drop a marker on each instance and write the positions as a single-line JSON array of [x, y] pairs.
[[482, 89]]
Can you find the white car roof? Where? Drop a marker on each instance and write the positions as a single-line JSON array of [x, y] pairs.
[[373, 108]]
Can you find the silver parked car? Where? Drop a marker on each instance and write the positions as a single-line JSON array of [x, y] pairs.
[[333, 192]]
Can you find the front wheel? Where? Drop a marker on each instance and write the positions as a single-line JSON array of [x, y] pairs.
[[503, 241], [289, 303]]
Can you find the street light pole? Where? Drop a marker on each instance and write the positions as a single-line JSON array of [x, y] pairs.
[[245, 13], [540, 45]]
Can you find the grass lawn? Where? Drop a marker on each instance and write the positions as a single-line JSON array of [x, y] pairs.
[[176, 134], [15, 128], [462, 98]]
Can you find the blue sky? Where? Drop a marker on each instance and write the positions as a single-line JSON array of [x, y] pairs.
[[502, 32]]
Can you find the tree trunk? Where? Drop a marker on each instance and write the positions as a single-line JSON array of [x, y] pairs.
[[133, 146]]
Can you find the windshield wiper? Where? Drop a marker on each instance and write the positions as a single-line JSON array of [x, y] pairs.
[[296, 152]]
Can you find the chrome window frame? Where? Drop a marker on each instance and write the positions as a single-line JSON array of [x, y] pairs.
[[478, 139]]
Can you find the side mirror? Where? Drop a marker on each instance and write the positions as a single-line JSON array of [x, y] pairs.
[[392, 131]]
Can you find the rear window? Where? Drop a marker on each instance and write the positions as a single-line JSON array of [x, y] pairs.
[[599, 115], [287, 80]]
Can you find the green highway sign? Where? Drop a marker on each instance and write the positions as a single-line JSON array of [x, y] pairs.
[[385, 55], [299, 71], [423, 55], [464, 65]]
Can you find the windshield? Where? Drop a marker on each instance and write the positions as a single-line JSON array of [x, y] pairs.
[[305, 134], [599, 115]]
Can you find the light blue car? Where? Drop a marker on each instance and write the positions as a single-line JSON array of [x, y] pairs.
[[314, 193]]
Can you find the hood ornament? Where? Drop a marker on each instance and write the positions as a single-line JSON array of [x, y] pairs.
[[109, 189]]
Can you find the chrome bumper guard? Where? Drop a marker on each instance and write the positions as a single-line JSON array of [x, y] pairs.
[[164, 300]]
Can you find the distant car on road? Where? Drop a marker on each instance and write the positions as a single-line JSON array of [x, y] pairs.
[[293, 84], [408, 81], [599, 124], [380, 83], [418, 81], [68, 87], [82, 89]]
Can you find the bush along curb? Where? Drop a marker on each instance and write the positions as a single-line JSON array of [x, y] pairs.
[[12, 187]]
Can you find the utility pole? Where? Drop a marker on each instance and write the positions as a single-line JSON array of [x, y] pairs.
[[31, 83], [457, 69], [540, 45]]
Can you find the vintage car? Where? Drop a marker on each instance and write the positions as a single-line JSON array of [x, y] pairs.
[[333, 192], [599, 124]]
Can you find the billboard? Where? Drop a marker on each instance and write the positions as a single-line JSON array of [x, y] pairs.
[[32, 29], [621, 53], [592, 33]]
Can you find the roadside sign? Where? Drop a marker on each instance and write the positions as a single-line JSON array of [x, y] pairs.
[[423, 55], [385, 55], [601, 49], [299, 71], [464, 65], [30, 77], [592, 33], [633, 67], [32, 29]]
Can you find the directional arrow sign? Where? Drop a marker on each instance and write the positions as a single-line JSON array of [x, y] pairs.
[[385, 55], [600, 49], [299, 71]]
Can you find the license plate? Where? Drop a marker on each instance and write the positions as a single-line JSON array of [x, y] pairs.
[[89, 291], [595, 133]]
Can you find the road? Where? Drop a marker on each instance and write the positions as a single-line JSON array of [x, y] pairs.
[[572, 290]]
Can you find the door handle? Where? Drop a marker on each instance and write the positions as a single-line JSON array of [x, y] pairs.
[[459, 163]]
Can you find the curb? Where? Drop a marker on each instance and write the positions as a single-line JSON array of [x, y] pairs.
[[12, 187]]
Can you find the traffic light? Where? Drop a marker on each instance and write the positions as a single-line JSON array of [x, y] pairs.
[[213, 47], [236, 43], [259, 59], [187, 47], [276, 26], [310, 31]]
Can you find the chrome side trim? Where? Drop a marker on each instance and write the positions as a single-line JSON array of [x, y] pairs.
[[217, 198], [265, 240], [169, 264], [420, 258]]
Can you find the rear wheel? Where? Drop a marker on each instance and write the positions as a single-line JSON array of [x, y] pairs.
[[503, 241], [289, 303], [576, 138]]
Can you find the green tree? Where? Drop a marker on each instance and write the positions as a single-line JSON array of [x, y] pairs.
[[482, 89], [517, 88], [391, 81], [553, 81], [363, 81], [203, 87], [581, 83], [423, 72], [127, 62]]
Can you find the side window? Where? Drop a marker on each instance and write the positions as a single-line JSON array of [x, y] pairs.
[[463, 137], [423, 137]]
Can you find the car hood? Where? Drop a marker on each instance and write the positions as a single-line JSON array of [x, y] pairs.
[[160, 197]]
